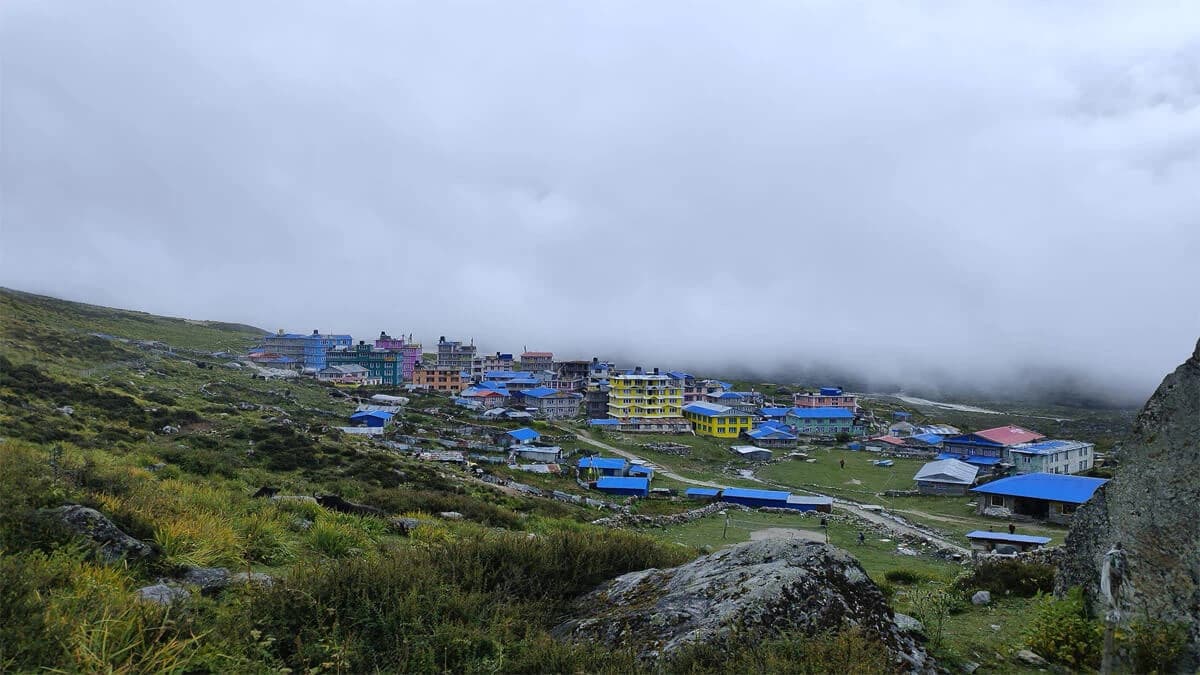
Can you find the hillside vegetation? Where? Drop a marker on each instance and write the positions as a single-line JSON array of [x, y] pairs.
[[140, 418]]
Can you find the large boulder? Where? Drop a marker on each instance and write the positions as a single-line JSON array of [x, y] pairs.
[[111, 543], [1150, 508], [757, 588]]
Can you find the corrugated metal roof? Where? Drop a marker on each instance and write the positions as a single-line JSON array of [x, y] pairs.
[[524, 434], [831, 391], [806, 499], [622, 482], [931, 439], [380, 414], [745, 493], [1004, 536], [771, 433], [772, 411], [606, 422], [1048, 447], [1049, 486], [710, 409], [890, 440], [701, 492], [821, 413], [601, 463], [539, 392], [948, 471], [638, 470], [1010, 435]]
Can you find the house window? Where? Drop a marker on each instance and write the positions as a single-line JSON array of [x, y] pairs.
[[1068, 509], [997, 500]]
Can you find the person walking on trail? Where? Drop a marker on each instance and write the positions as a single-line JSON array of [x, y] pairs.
[[862, 539], [1012, 529], [842, 463]]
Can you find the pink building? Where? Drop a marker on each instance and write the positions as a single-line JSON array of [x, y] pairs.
[[410, 352], [827, 397]]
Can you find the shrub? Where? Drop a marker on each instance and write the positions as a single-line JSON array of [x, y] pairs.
[[1154, 646], [904, 577], [1060, 631], [335, 539], [1008, 577], [841, 651], [265, 539]]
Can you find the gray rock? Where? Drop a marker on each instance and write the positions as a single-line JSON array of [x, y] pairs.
[[981, 598], [751, 589], [302, 524], [908, 624], [1150, 508], [156, 467], [210, 579], [451, 515], [1030, 659], [162, 594], [404, 526], [67, 410], [253, 578], [170, 429], [111, 543]]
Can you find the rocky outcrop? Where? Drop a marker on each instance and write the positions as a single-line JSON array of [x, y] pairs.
[[757, 588], [111, 543], [1151, 507]]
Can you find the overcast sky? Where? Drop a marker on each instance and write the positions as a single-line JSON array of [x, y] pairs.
[[933, 190]]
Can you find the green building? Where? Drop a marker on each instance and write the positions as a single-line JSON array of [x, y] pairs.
[[386, 365]]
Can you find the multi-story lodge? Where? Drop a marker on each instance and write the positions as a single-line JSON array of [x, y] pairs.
[[409, 351], [454, 354], [826, 397], [552, 404], [822, 421], [446, 379], [308, 350], [721, 421], [480, 365], [383, 365], [647, 401], [537, 361], [1053, 456]]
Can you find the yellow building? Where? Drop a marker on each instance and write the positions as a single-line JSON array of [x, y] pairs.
[[639, 394], [713, 419]]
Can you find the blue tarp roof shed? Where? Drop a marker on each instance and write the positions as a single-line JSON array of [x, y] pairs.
[[767, 495], [606, 422], [1008, 538], [623, 486], [1048, 486], [524, 434], [601, 463], [639, 470], [932, 439], [701, 492], [372, 414]]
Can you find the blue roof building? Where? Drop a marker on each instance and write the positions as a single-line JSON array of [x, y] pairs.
[[1051, 456], [1044, 496], [996, 541], [619, 485], [605, 422], [604, 466], [773, 412], [524, 435], [702, 493], [372, 418], [773, 434], [641, 470], [827, 421]]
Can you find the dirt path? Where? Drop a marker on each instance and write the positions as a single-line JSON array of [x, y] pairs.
[[786, 533], [841, 504]]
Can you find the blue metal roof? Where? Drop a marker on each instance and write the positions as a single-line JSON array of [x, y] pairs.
[[1050, 486], [831, 391], [601, 463], [539, 392], [380, 414], [1004, 536], [639, 470], [972, 439], [679, 374], [774, 412], [605, 422], [622, 482], [978, 460], [821, 413], [701, 492], [773, 433], [932, 439], [745, 493], [524, 434], [1047, 447]]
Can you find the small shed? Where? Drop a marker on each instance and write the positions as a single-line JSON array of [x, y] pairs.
[[989, 541], [605, 422], [1044, 496], [621, 485], [707, 494], [756, 498], [751, 453], [641, 470], [524, 435], [539, 454], [372, 418], [605, 466], [945, 477]]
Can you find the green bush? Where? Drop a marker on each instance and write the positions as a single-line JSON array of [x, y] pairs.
[[904, 577], [1154, 646], [1008, 577], [1061, 631], [843, 651]]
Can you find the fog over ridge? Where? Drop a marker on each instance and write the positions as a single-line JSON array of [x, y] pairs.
[[939, 197]]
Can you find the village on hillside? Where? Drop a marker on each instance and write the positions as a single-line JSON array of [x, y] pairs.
[[1014, 475]]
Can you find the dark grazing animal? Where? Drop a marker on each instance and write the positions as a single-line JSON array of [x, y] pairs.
[[266, 492], [341, 505]]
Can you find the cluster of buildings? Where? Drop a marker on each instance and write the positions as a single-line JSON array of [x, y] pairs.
[[1003, 449]]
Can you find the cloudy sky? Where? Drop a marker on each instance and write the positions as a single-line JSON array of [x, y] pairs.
[[917, 191]]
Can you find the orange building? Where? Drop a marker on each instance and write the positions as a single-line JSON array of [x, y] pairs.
[[446, 379]]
